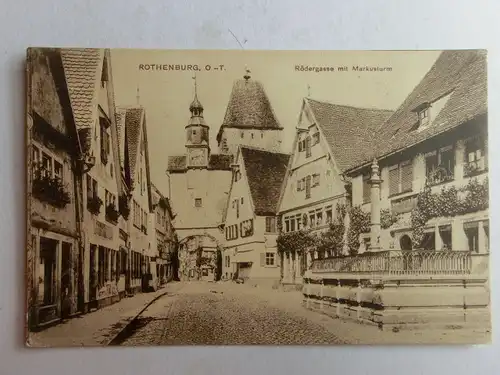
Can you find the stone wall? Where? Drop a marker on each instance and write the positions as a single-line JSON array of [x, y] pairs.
[[403, 301]]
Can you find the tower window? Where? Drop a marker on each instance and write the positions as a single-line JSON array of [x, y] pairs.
[[252, 135], [197, 202], [194, 132], [242, 134]]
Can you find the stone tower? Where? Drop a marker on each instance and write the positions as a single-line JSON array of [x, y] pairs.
[[249, 119], [197, 135]]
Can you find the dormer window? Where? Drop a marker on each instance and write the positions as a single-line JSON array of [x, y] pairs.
[[423, 117], [423, 113]]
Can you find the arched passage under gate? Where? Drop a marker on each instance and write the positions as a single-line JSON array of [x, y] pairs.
[[199, 258]]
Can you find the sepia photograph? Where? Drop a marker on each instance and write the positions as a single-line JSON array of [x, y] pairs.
[[246, 197]]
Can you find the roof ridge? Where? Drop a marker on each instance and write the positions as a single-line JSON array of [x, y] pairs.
[[350, 106], [249, 147]]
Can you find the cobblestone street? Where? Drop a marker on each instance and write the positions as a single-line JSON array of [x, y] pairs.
[[224, 314]]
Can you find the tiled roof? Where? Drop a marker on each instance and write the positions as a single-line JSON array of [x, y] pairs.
[[249, 107], [220, 162], [133, 124], [177, 163], [82, 68], [265, 172], [120, 127], [348, 130], [459, 74]]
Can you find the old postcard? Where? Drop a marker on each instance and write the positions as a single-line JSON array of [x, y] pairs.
[[257, 197]]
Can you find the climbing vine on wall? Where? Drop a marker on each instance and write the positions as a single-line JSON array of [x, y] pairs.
[[298, 241], [333, 238], [359, 222], [388, 218], [448, 202]]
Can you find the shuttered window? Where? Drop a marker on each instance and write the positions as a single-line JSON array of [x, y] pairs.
[[406, 176], [308, 147], [401, 178], [394, 180], [308, 187]]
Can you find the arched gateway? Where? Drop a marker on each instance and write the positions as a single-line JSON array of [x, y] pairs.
[[199, 258]]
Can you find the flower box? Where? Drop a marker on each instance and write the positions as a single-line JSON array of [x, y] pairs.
[[94, 205], [51, 190]]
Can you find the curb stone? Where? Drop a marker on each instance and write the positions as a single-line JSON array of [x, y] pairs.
[[121, 334]]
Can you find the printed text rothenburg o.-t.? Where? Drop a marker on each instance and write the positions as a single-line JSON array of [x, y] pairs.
[[181, 67], [344, 68]]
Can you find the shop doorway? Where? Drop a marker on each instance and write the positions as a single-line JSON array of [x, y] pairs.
[[93, 278], [405, 243], [66, 279]]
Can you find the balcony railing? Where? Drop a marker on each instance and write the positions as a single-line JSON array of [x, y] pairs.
[[396, 262]]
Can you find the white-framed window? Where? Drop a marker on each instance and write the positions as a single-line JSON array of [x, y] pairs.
[[271, 224], [197, 202], [475, 156], [287, 224], [440, 165], [329, 214], [246, 228], [270, 259], [312, 220], [319, 217], [46, 164], [308, 146], [315, 179], [401, 178], [315, 138], [308, 187], [424, 116]]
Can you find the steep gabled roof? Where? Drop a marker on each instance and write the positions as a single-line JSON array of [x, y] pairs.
[[131, 129], [134, 118], [249, 107], [265, 173], [82, 69], [460, 75], [349, 131]]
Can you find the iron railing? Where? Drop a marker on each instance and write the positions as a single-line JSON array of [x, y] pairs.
[[397, 262]]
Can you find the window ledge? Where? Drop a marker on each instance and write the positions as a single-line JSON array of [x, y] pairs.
[[442, 182], [403, 194]]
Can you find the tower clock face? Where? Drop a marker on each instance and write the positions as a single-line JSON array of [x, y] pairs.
[[197, 157]]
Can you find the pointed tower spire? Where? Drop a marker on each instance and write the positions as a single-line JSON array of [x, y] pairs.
[[247, 75], [196, 108]]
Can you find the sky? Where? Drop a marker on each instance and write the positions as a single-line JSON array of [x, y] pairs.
[[166, 94]]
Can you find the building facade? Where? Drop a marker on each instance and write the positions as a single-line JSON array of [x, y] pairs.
[[314, 186], [443, 152], [165, 239], [141, 229], [250, 250], [420, 210], [90, 86], [54, 257]]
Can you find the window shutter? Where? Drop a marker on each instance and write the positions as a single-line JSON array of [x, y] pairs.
[[406, 177], [262, 259], [394, 181]]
